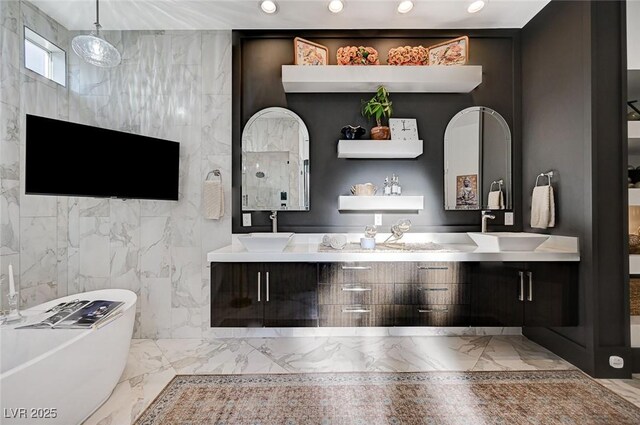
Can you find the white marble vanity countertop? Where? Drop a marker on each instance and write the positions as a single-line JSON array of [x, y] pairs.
[[451, 247]]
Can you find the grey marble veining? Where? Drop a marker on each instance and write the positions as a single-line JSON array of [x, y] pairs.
[[152, 364], [173, 85]]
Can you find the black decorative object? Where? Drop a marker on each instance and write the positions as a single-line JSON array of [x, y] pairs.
[[352, 133]]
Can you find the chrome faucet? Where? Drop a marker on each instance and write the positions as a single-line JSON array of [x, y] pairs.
[[485, 217], [274, 221]]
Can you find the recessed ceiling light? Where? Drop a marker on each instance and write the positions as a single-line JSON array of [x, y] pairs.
[[336, 6], [268, 6], [476, 6], [405, 6]]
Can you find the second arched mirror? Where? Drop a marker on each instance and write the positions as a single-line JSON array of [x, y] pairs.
[[275, 162], [477, 161]]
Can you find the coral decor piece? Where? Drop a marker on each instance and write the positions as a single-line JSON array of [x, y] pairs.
[[452, 52], [407, 55], [352, 55]]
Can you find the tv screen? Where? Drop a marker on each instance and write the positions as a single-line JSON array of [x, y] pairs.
[[69, 159]]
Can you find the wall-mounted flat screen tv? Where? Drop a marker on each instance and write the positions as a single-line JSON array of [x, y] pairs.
[[68, 159]]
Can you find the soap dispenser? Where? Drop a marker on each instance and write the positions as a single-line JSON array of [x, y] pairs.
[[386, 187]]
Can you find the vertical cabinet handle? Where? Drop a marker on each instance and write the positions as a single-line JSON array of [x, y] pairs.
[[267, 286], [530, 295], [521, 294], [259, 276]]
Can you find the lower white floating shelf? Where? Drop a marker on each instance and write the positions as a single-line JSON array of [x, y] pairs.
[[380, 203]]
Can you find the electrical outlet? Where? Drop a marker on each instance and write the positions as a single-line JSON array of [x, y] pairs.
[[616, 362], [246, 219], [508, 219], [377, 219]]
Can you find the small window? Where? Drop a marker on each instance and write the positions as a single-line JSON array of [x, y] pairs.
[[44, 58]]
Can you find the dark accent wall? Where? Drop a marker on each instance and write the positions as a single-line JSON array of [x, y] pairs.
[[574, 80], [257, 60]]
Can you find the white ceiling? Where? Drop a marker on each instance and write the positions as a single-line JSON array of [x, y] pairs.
[[292, 14]]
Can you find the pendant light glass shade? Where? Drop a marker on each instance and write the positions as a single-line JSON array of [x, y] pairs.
[[94, 49]]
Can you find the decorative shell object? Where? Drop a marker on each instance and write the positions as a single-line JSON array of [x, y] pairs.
[[352, 55], [407, 55]]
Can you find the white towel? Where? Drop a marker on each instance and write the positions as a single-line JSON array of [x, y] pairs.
[[495, 200], [543, 214], [213, 198]]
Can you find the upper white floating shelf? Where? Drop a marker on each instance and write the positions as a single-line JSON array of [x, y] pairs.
[[397, 79], [379, 149]]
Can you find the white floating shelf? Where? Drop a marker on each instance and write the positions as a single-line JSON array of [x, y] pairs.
[[634, 197], [633, 130], [380, 203], [397, 79], [372, 149], [634, 264]]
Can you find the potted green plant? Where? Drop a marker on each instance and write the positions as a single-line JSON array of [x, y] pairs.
[[379, 107]]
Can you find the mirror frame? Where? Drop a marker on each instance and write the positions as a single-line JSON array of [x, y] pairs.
[[509, 155], [305, 165]]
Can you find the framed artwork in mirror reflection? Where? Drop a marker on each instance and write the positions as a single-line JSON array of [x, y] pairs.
[[467, 192]]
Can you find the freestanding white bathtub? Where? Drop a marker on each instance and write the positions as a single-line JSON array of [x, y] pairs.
[[61, 376]]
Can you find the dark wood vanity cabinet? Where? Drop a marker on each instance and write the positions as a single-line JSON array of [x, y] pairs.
[[355, 294], [257, 295], [432, 294], [525, 294], [393, 294]]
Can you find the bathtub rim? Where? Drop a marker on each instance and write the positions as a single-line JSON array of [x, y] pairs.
[[130, 298]]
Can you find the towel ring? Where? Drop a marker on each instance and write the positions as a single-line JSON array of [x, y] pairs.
[[216, 173], [498, 182], [548, 175]]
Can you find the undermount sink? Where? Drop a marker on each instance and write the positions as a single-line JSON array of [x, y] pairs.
[[265, 242], [507, 241]]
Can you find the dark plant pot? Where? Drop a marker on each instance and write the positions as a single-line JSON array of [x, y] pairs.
[[380, 133], [352, 133]]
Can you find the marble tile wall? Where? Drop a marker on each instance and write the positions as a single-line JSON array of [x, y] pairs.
[[171, 85], [176, 86], [30, 226]]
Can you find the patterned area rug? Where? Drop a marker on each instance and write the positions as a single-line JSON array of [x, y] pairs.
[[545, 397]]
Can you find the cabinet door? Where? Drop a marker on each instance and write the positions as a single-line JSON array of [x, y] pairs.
[[496, 294], [236, 300], [551, 297], [291, 295]]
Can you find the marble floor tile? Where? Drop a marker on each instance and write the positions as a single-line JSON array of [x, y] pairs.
[[518, 353], [131, 397], [626, 388], [313, 354], [144, 357], [420, 353], [223, 356]]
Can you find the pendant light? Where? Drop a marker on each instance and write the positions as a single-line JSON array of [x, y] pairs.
[[94, 49]]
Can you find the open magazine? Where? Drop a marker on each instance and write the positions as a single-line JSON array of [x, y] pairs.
[[79, 314]]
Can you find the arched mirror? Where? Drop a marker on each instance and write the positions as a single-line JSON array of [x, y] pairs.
[[275, 162], [477, 161]]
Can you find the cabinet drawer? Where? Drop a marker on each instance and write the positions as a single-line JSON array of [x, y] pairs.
[[432, 293], [356, 315], [433, 315], [356, 273], [431, 273], [355, 293]]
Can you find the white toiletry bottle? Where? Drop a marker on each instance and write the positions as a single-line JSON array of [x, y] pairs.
[[398, 187], [394, 185], [386, 187]]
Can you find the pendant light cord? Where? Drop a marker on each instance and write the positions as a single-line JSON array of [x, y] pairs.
[[97, 24]]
